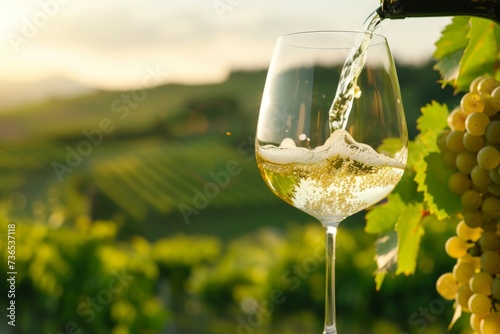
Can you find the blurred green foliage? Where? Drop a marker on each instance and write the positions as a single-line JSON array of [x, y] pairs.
[[81, 278], [261, 282]]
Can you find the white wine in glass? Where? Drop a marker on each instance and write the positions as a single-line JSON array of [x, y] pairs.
[[331, 155]]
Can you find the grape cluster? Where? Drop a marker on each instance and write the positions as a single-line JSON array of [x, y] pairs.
[[471, 147]]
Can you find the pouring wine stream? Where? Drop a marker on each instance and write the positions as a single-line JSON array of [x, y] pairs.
[[347, 88]]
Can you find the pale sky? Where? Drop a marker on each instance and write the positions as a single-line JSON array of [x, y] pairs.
[[114, 43]]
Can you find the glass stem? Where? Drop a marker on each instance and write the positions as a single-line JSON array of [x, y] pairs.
[[330, 317]]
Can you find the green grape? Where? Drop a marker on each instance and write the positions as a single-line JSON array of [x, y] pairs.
[[463, 272], [473, 260], [492, 132], [486, 85], [455, 141], [466, 233], [471, 148], [475, 323], [480, 188], [473, 85], [495, 99], [488, 157], [473, 218], [462, 297], [490, 262], [480, 176], [495, 288], [490, 324], [459, 183], [489, 225], [466, 161], [476, 123], [449, 159], [441, 140], [479, 304], [471, 102], [489, 108], [446, 286], [473, 143], [489, 241], [495, 175], [471, 199], [491, 207], [481, 283], [456, 119], [494, 189], [456, 247]]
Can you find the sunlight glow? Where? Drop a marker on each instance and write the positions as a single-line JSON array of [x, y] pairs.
[[108, 45]]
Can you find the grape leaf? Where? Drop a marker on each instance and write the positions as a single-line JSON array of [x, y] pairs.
[[386, 256], [453, 37], [410, 232], [383, 217], [407, 188], [432, 178], [467, 49], [415, 150], [480, 56], [450, 48], [449, 68], [433, 117], [427, 142], [390, 146], [379, 279], [496, 69], [432, 121]]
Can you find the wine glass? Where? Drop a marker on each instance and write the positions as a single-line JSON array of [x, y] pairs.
[[327, 161]]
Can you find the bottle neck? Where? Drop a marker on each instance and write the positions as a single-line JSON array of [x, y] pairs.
[[399, 9]]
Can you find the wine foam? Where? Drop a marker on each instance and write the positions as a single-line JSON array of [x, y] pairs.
[[340, 143]]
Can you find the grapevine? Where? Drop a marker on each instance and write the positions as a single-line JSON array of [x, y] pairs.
[[471, 148], [453, 178]]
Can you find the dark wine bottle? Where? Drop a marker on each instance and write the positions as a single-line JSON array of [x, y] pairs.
[[399, 9]]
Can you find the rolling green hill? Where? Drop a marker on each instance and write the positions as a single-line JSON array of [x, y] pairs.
[[137, 111]]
